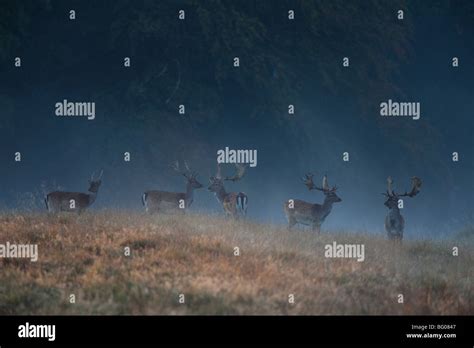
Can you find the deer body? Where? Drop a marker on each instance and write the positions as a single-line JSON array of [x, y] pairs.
[[77, 202], [394, 224], [308, 213], [156, 201], [163, 201], [394, 221], [233, 203]]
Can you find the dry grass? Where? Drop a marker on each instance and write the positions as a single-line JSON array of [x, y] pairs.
[[194, 255]]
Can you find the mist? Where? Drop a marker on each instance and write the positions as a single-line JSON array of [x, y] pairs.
[[64, 152]]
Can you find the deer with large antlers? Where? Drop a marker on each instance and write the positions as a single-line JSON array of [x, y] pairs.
[[234, 203], [305, 213], [163, 201], [394, 221], [76, 202]]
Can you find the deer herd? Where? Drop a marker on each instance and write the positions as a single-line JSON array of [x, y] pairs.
[[235, 203]]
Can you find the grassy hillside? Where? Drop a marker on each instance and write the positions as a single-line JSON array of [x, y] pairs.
[[194, 255]]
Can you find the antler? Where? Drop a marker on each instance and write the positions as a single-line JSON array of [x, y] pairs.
[[415, 187], [187, 173], [175, 167], [218, 173], [100, 175], [186, 166], [324, 188], [325, 183], [308, 181], [389, 187], [240, 172]]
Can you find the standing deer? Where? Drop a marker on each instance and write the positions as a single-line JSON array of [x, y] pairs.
[[73, 201], [234, 204], [163, 201], [305, 213], [394, 221]]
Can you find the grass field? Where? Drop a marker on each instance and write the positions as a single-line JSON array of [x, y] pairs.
[[194, 255]]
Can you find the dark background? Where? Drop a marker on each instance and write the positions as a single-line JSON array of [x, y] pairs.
[[282, 62]]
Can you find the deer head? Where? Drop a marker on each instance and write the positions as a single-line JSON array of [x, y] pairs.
[[393, 197], [191, 176], [217, 182], [94, 183], [330, 193]]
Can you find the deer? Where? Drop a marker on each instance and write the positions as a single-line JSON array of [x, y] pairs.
[[298, 211], [394, 221], [73, 202], [164, 201], [234, 203]]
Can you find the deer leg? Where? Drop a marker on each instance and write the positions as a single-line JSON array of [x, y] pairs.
[[228, 214], [317, 228], [291, 222], [54, 209], [400, 237], [236, 215]]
